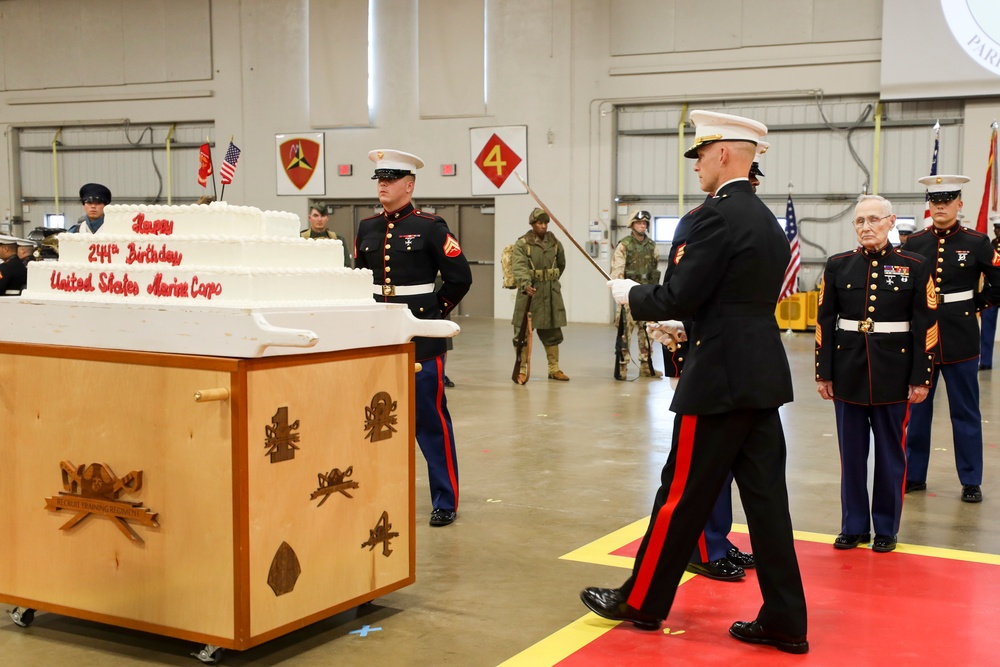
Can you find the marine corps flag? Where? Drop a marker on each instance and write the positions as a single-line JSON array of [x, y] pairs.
[[990, 190], [205, 165]]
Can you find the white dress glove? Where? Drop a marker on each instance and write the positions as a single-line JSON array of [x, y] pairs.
[[620, 289], [668, 333]]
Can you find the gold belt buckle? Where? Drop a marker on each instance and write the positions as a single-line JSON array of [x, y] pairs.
[[388, 290], [866, 326]]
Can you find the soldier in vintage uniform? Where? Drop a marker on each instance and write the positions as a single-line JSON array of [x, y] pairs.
[[318, 221], [13, 272], [726, 284], [537, 262], [875, 341], [406, 249], [636, 257], [960, 256]]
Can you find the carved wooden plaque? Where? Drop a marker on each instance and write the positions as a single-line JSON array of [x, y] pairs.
[[380, 417], [380, 533], [332, 482], [93, 489], [281, 437], [285, 570]]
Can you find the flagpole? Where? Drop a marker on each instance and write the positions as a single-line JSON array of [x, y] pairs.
[[215, 192]]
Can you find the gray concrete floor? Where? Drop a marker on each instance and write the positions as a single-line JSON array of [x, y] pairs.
[[545, 468]]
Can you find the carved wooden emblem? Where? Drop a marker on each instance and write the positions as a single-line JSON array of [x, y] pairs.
[[380, 533], [285, 570], [281, 437], [94, 489], [334, 481], [379, 417]]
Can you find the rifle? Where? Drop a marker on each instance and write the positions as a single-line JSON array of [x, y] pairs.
[[523, 341], [620, 343], [649, 346]]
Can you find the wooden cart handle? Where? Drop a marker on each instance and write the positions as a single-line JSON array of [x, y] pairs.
[[203, 395]]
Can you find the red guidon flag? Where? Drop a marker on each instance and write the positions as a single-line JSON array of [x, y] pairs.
[[451, 247], [299, 158], [205, 165]]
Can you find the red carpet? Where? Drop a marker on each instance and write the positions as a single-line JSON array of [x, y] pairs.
[[865, 608]]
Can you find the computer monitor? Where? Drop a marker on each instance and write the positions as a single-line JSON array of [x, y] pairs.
[[55, 221]]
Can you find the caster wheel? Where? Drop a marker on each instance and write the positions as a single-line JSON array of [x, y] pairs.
[[21, 618], [210, 655]]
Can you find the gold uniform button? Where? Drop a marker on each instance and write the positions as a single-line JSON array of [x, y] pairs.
[[966, 313], [937, 289], [940, 259], [941, 241], [872, 297], [388, 236], [697, 342], [895, 289], [421, 309], [903, 350], [940, 270], [387, 281], [391, 225], [680, 359], [874, 286], [387, 246], [848, 285], [387, 258], [388, 269], [874, 262], [408, 248], [961, 263], [927, 381], [871, 309]]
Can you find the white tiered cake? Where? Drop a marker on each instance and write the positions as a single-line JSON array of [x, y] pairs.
[[213, 279], [210, 255]]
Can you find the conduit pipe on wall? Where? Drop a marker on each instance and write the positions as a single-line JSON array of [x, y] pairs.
[[680, 159], [55, 168], [878, 146], [170, 172]]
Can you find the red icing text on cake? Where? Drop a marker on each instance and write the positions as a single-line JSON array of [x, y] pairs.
[[123, 286], [195, 289], [150, 255], [143, 226], [71, 283], [101, 252]]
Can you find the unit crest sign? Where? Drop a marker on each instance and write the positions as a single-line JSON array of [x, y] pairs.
[[496, 152]]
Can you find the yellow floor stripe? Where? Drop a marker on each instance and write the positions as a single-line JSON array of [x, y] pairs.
[[563, 643]]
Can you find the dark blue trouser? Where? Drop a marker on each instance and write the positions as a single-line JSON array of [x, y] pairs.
[[855, 426], [714, 543], [962, 382], [987, 335], [435, 434]]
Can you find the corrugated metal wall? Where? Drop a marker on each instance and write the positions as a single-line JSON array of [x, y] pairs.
[[806, 152], [130, 160]]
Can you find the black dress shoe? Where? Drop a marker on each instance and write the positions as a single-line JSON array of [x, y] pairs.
[[441, 517], [610, 604], [845, 541], [915, 486], [754, 633], [722, 569], [884, 543], [971, 493], [448, 383], [985, 367], [741, 558]]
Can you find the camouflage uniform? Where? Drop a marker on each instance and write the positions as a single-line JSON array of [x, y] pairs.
[[636, 260], [540, 263]]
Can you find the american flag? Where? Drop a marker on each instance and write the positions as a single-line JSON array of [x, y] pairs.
[[229, 164], [791, 284], [937, 139]]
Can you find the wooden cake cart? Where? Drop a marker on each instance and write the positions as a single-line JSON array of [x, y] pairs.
[[266, 493]]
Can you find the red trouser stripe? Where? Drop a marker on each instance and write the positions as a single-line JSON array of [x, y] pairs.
[[902, 443], [661, 524], [446, 436]]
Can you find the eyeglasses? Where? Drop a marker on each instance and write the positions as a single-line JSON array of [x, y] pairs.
[[871, 220]]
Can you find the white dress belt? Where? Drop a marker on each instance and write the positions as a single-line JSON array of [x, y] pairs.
[[954, 296], [403, 290], [869, 326]]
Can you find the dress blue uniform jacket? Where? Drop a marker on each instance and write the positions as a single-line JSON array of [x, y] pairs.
[[410, 247], [723, 289], [959, 256], [887, 285]]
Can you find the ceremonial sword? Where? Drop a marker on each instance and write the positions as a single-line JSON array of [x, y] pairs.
[[560, 225]]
